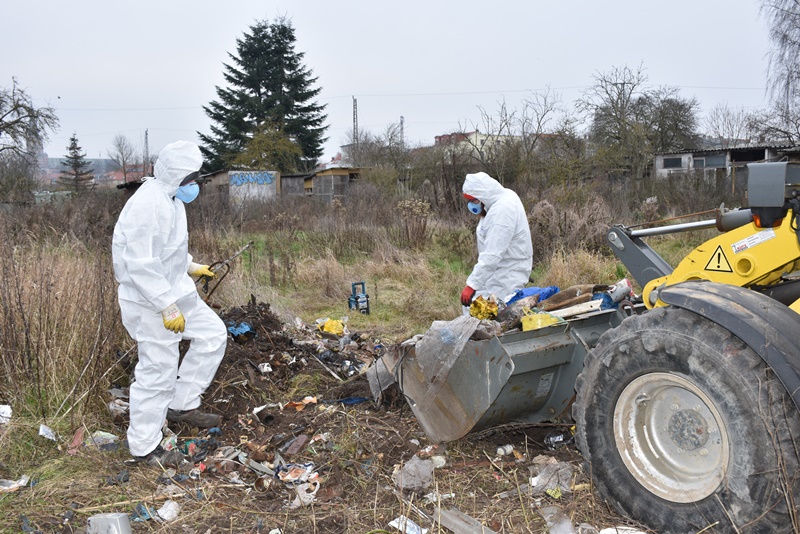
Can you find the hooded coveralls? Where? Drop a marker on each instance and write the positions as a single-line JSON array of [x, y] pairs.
[[505, 252], [151, 260]]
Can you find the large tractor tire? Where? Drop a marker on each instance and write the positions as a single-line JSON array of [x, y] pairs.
[[684, 427]]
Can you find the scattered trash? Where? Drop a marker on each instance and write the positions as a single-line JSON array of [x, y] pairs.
[[263, 483], [457, 521], [407, 526], [534, 321], [482, 308], [264, 368], [620, 291], [115, 523], [415, 475], [505, 450], [553, 475], [557, 522], [169, 511], [435, 496], [119, 409], [555, 440], [8, 486], [47, 432], [142, 513], [5, 414], [306, 494], [295, 445], [241, 332], [119, 478], [295, 472], [101, 440], [331, 326], [438, 461], [300, 405], [118, 393], [349, 401], [379, 378], [621, 530]]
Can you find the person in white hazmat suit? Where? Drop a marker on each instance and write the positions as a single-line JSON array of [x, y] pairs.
[[505, 251], [160, 305]]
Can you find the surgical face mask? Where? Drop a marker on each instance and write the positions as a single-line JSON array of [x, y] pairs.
[[475, 207], [187, 193]]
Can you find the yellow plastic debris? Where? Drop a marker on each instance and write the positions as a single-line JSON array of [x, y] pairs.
[[554, 492], [483, 309], [333, 326], [539, 320]]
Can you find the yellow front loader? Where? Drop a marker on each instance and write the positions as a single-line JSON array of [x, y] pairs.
[[687, 405]]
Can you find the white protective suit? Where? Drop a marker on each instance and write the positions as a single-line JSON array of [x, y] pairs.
[[505, 252], [151, 261]]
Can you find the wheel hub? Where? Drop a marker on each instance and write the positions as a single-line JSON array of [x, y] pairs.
[[671, 437]]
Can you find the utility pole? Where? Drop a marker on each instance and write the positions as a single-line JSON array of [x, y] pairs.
[[355, 122], [146, 156], [402, 134]]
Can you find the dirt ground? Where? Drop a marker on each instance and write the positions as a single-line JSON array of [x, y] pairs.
[[338, 449]]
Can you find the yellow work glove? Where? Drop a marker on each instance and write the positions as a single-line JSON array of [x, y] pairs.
[[195, 269], [173, 319]]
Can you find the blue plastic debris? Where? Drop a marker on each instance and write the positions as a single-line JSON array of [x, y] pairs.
[[543, 292], [241, 332], [142, 513], [349, 401]]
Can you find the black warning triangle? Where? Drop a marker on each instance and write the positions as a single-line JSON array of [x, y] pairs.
[[719, 262]]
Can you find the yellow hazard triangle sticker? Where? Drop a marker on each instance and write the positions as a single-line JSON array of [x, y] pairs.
[[718, 262]]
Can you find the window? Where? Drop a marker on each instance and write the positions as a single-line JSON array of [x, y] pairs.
[[699, 163], [673, 163], [715, 162]]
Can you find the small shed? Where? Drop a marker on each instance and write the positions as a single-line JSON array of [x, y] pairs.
[[239, 185], [333, 182]]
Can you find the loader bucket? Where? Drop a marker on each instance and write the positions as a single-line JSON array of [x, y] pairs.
[[456, 385]]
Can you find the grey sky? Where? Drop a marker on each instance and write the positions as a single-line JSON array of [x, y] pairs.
[[122, 67]]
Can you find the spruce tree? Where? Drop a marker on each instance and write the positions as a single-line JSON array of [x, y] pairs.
[[76, 174], [268, 84]]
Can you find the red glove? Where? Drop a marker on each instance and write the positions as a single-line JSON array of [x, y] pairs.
[[466, 295]]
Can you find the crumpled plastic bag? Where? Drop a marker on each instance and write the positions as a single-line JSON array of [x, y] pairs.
[[553, 477], [332, 326], [415, 475]]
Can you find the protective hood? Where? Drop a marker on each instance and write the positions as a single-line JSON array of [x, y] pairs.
[[175, 162], [483, 187]]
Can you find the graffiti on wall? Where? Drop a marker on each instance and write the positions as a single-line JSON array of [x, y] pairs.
[[239, 178]]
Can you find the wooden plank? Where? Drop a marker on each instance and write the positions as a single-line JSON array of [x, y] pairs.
[[586, 307]]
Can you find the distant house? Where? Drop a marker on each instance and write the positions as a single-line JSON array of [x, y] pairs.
[[720, 162], [722, 165], [474, 141]]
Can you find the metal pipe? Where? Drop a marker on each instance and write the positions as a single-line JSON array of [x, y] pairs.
[[725, 221], [675, 228]]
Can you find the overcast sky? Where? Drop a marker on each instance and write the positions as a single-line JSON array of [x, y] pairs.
[[111, 67]]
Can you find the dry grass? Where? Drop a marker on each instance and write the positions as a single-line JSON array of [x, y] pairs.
[[62, 345]]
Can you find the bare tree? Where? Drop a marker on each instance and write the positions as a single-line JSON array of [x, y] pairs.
[[731, 126], [124, 155], [629, 122], [23, 126], [783, 17], [489, 140], [781, 123]]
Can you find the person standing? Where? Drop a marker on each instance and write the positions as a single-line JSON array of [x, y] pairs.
[[505, 251], [160, 305]]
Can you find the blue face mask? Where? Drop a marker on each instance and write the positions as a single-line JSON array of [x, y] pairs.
[[475, 207], [187, 193]]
